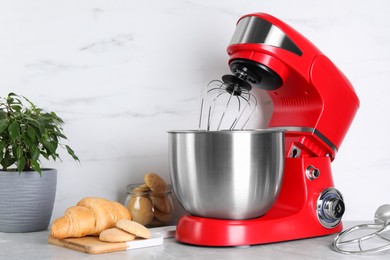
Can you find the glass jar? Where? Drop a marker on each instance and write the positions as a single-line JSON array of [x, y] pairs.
[[149, 208]]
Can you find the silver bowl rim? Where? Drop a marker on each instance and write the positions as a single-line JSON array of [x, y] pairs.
[[247, 131]]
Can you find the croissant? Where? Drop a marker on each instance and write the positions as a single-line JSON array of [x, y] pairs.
[[89, 217]]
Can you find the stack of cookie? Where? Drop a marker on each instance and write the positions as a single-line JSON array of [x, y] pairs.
[[125, 230], [150, 203]]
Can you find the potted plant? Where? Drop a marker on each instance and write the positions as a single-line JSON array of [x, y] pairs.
[[27, 191]]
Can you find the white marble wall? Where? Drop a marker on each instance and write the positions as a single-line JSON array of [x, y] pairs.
[[121, 73]]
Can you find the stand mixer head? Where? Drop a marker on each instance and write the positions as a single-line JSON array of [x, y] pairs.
[[308, 93], [307, 90]]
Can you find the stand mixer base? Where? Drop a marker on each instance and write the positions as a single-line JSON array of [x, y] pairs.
[[218, 232], [293, 216]]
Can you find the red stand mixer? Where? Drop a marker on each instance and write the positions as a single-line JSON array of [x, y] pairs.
[[315, 104]]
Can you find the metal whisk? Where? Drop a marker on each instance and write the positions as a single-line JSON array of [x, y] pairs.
[[227, 104], [372, 238]]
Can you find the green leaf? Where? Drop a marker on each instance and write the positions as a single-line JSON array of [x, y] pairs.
[[10, 100], [8, 160], [31, 133], [71, 152], [35, 166], [14, 129], [55, 156], [34, 153], [17, 108], [21, 163], [2, 113], [15, 100], [2, 146], [49, 147], [44, 154], [3, 125], [59, 134], [19, 152], [27, 141]]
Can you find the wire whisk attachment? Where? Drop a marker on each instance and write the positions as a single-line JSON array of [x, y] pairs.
[[227, 105], [366, 238]]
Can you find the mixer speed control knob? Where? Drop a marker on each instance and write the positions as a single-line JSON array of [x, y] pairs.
[[334, 208], [330, 207]]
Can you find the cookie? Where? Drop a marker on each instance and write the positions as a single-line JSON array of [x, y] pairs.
[[134, 228], [141, 188], [141, 210], [162, 202], [165, 218], [115, 235], [155, 183]]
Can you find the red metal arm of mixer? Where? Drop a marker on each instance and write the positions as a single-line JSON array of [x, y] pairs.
[[339, 105], [321, 131], [340, 101]]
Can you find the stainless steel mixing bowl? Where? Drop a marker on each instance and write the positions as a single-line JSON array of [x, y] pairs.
[[226, 174]]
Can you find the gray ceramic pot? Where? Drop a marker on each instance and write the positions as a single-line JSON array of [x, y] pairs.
[[26, 200]]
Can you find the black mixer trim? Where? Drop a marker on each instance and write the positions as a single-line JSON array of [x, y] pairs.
[[257, 74], [234, 84]]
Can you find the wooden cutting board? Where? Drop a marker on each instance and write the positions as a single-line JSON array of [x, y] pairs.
[[92, 245]]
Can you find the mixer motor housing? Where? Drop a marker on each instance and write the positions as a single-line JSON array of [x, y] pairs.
[[311, 97]]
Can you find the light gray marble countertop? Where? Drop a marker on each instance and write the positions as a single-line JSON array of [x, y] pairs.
[[35, 246]]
